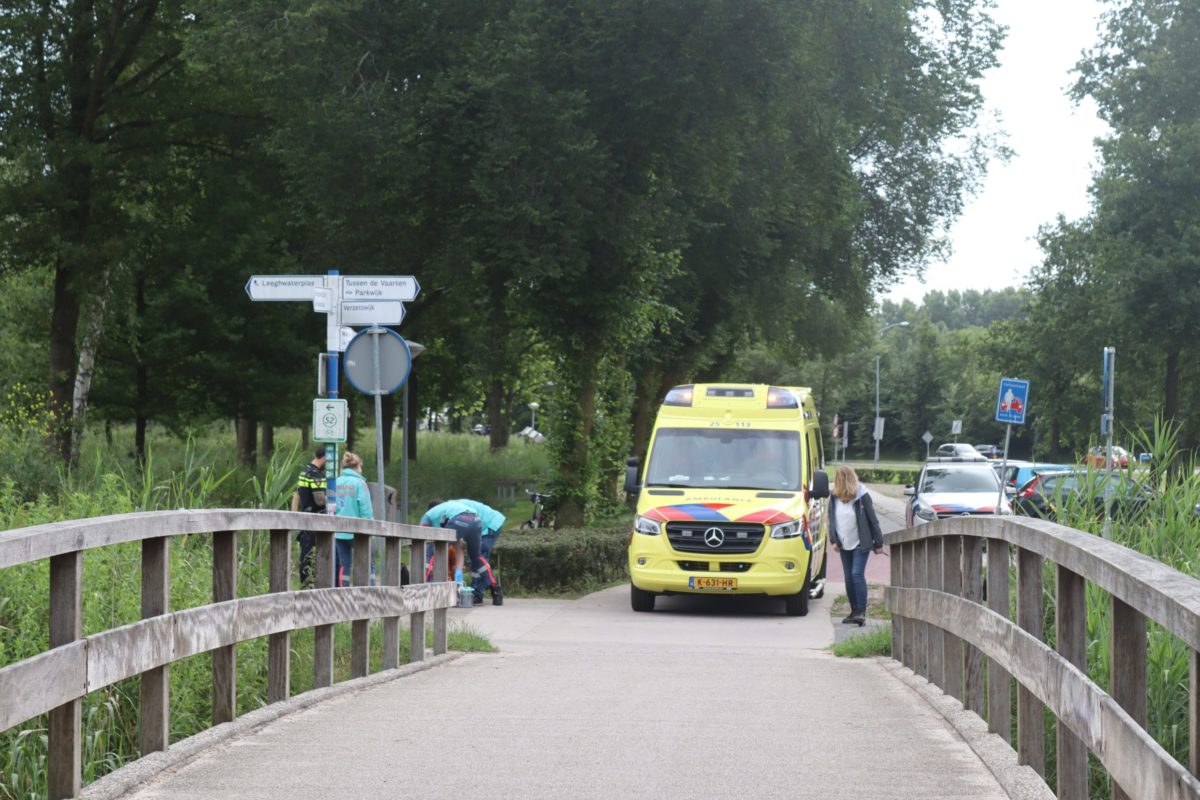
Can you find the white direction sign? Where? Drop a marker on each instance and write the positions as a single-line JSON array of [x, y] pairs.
[[372, 312], [927, 437], [329, 420], [284, 287], [402, 288]]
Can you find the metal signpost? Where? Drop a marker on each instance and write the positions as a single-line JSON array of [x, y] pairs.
[[1010, 409], [367, 296], [1106, 430], [956, 429], [927, 437], [378, 362]]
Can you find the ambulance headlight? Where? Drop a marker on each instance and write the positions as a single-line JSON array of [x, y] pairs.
[[786, 530], [647, 526]]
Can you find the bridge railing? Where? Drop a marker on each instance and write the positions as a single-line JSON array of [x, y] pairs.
[[55, 681], [943, 629]]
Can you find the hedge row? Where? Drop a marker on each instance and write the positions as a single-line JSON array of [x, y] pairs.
[[566, 560], [899, 475]]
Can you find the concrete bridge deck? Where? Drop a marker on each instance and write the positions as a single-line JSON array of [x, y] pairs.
[[705, 697]]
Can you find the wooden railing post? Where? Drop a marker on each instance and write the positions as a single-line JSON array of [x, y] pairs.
[[441, 564], [416, 620], [224, 659], [1194, 713], [999, 687], [974, 692], [391, 625], [897, 581], [360, 629], [154, 729], [279, 645], [1070, 636], [909, 567], [1128, 678], [937, 673], [1031, 726], [323, 634], [65, 757], [921, 581], [952, 657]]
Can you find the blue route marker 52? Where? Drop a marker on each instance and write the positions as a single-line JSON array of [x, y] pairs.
[[1012, 400]]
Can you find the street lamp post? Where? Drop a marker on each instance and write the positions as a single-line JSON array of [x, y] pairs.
[[533, 407], [880, 333]]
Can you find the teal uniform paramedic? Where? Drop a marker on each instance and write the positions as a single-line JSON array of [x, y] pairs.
[[353, 500], [462, 519], [493, 525]]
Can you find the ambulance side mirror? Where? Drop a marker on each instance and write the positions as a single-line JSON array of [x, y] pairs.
[[820, 485], [632, 487]]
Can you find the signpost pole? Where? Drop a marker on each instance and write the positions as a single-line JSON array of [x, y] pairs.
[[332, 343], [404, 460], [380, 504], [1003, 467], [1110, 365]]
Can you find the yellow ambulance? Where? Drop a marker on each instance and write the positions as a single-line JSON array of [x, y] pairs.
[[732, 497]]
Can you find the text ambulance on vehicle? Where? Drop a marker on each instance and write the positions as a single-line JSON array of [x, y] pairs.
[[732, 497]]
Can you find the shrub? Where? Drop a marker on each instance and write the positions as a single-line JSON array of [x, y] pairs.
[[565, 560], [900, 475]]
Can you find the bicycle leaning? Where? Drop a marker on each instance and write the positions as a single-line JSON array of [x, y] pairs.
[[539, 518]]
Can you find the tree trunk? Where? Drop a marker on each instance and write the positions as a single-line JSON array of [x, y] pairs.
[[352, 423], [64, 324], [141, 371], [497, 411], [247, 436], [139, 437], [643, 402], [1171, 393], [86, 369], [388, 421], [268, 441], [574, 469]]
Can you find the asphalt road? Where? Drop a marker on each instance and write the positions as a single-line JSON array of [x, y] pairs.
[[704, 697]]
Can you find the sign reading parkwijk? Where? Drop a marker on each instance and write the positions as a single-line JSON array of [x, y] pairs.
[[1012, 401], [402, 288]]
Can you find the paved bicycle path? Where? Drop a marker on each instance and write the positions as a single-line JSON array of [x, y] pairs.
[[704, 697]]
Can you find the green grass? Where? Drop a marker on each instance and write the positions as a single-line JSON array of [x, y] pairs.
[[876, 642], [876, 609]]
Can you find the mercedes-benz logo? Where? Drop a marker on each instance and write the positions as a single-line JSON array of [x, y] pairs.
[[714, 537]]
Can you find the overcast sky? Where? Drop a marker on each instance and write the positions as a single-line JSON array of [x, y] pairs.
[[994, 239]]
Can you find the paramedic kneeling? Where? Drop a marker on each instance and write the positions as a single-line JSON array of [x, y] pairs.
[[467, 526]]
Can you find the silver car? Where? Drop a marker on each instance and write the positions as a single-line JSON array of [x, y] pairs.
[[953, 488]]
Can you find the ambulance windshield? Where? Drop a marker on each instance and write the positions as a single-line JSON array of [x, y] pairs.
[[725, 459]]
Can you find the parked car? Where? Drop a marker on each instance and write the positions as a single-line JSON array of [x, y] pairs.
[[952, 488], [989, 450], [1096, 457], [1048, 492], [1019, 473], [481, 429], [963, 452]]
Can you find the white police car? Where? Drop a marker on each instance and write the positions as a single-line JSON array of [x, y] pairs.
[[950, 487]]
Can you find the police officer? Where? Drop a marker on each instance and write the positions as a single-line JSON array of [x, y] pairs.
[[310, 496]]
